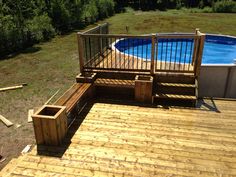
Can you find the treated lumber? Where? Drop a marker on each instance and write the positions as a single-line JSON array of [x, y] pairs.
[[26, 149], [114, 83], [68, 94], [7, 122], [13, 87], [173, 96], [175, 85], [70, 104], [30, 113], [124, 140]]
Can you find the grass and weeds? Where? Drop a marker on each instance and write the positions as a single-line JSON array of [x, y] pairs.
[[173, 21], [53, 65]]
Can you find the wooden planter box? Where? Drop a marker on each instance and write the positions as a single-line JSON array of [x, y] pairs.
[[50, 125], [143, 88], [86, 77]]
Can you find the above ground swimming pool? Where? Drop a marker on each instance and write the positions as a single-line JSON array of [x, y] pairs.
[[218, 49]]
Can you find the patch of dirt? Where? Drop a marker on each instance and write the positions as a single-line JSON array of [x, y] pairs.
[[13, 140]]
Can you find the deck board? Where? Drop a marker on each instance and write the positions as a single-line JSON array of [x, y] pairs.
[[115, 60], [128, 140]]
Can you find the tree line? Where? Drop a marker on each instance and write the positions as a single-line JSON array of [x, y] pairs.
[[218, 5], [26, 22]]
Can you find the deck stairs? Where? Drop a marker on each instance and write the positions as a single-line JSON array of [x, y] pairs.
[[175, 89]]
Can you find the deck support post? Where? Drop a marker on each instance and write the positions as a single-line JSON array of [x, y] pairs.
[[143, 88], [81, 51], [153, 53]]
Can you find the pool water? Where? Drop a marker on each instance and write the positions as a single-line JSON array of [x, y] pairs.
[[217, 49], [219, 52]]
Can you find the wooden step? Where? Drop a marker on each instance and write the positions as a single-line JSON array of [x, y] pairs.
[[114, 83], [163, 84], [182, 79], [174, 96]]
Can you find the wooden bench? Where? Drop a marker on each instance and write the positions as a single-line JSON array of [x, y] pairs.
[[74, 95]]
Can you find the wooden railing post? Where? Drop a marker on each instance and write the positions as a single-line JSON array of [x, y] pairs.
[[199, 52], [153, 54], [81, 51], [196, 43]]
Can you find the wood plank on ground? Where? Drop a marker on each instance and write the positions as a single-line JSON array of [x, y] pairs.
[[7, 122], [30, 113]]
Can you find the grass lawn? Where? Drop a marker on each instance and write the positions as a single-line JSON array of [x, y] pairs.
[[53, 65]]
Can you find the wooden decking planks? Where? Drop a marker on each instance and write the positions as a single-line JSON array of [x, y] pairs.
[[124, 140], [115, 60]]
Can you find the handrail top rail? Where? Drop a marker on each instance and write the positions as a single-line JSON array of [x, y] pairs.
[[173, 36], [115, 35], [94, 28]]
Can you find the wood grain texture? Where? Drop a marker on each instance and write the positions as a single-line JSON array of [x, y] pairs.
[[50, 128], [125, 140], [30, 113], [7, 122], [114, 82]]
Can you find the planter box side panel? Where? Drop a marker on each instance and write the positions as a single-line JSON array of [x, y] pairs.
[[49, 129], [61, 126], [38, 131]]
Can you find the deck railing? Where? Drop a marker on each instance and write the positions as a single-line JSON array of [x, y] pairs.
[[99, 51]]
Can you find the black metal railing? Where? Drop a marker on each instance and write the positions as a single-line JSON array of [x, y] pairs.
[[116, 52], [174, 54], [144, 53]]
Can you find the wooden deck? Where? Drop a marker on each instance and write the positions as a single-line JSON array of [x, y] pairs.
[[129, 140]]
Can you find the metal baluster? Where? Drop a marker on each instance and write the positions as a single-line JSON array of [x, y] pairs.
[[128, 52], [161, 54], [133, 54], [146, 52], [181, 46], [156, 53], [142, 56], [166, 52], [107, 48], [171, 53], [90, 53], [86, 54], [116, 61], [137, 51], [176, 49]]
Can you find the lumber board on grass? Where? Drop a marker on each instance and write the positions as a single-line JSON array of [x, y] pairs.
[[30, 113], [13, 87], [7, 122]]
